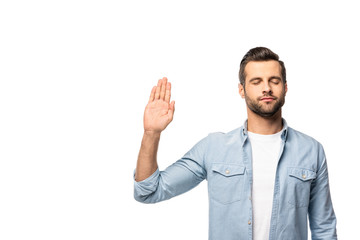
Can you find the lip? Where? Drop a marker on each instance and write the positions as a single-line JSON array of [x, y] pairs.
[[267, 99]]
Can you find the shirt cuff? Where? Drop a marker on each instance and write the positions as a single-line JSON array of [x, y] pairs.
[[148, 185]]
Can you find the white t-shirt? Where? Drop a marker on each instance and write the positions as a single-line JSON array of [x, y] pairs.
[[265, 156]]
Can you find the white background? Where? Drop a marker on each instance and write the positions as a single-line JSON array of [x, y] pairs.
[[76, 76]]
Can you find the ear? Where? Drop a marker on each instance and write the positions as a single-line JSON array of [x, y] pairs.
[[286, 88], [241, 90]]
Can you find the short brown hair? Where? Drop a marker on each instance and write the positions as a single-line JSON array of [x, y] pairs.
[[260, 54]]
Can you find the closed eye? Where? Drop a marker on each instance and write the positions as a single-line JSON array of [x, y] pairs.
[[255, 81], [275, 80]]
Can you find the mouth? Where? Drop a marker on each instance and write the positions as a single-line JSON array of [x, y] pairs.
[[267, 99]]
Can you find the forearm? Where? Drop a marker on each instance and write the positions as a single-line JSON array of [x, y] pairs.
[[147, 162], [176, 179], [158, 114]]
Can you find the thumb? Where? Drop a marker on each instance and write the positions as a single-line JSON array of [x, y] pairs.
[[171, 109]]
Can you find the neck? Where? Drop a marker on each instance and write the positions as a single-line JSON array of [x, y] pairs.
[[262, 125]]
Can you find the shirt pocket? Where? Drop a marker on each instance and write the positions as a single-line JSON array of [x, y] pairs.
[[226, 182], [299, 186]]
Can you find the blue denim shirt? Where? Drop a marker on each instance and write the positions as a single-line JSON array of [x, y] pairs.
[[301, 186]]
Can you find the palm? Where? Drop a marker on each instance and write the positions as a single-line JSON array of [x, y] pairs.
[[159, 111]]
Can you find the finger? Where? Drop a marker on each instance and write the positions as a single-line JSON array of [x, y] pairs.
[[168, 92], [163, 88], [157, 91], [152, 94]]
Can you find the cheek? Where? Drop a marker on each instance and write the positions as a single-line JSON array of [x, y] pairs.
[[252, 92], [279, 90]]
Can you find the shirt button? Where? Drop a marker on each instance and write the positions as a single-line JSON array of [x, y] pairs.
[[249, 222], [227, 171], [303, 176]]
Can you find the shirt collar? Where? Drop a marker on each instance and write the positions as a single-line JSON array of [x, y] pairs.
[[244, 131]]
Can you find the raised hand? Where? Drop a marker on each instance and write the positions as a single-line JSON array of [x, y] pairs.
[[159, 111]]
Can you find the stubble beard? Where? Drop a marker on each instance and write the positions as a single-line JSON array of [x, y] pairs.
[[266, 110]]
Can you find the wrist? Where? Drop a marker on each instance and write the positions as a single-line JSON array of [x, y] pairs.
[[151, 133]]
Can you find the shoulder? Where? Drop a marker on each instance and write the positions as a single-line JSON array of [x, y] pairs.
[[214, 144], [306, 142], [233, 133], [225, 137], [302, 137]]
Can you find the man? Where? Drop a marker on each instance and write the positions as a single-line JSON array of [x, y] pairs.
[[264, 178]]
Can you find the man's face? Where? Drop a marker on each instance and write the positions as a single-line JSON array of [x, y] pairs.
[[264, 90]]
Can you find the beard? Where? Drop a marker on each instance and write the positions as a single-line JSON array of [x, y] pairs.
[[265, 109]]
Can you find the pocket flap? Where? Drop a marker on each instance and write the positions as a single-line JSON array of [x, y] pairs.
[[228, 170], [301, 173]]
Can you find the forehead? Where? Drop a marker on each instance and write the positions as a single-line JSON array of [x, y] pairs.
[[262, 69]]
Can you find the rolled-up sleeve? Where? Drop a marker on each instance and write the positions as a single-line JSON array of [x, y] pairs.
[[178, 178]]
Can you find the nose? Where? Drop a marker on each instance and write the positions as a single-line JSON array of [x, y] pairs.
[[266, 88]]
